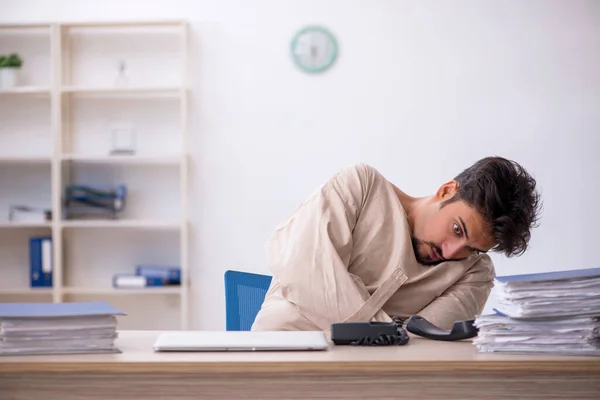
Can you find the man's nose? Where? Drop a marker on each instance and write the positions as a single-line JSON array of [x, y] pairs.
[[452, 249]]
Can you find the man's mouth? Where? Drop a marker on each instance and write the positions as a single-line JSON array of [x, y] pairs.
[[434, 255]]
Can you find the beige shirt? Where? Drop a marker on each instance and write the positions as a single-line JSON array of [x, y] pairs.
[[346, 255]]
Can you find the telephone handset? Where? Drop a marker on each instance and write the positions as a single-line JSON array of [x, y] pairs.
[[460, 329]]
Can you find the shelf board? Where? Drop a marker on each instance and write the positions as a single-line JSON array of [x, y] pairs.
[[21, 225], [124, 24], [115, 291], [25, 25], [123, 159], [25, 159], [122, 223], [42, 290], [26, 90], [133, 90]]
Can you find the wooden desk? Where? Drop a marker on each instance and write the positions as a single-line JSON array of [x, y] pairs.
[[421, 370]]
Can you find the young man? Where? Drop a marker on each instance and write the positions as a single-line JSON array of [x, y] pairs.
[[360, 249]]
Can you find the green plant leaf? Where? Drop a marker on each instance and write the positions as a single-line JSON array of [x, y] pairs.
[[14, 61]]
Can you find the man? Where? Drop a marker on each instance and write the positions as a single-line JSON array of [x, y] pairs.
[[360, 249]]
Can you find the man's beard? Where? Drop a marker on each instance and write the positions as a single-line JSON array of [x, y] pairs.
[[425, 260]]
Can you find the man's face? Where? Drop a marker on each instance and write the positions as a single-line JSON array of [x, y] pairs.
[[451, 231]]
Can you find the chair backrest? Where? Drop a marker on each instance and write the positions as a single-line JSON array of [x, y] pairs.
[[244, 295]]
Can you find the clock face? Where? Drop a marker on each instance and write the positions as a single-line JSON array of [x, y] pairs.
[[314, 49]]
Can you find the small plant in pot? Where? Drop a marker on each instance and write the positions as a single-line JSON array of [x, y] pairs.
[[10, 65]]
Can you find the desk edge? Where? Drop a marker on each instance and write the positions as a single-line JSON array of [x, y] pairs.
[[592, 366]]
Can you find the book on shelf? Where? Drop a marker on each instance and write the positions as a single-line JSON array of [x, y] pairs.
[[130, 281], [555, 312], [170, 274], [58, 328], [22, 213], [149, 276]]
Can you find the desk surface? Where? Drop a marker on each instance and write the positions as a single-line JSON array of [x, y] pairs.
[[418, 355]]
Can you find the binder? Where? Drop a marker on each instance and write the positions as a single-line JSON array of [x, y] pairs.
[[40, 261], [170, 274]]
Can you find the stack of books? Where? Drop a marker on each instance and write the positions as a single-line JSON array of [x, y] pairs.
[[552, 313], [58, 328], [149, 276]]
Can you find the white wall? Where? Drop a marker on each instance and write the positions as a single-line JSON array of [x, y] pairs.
[[421, 90]]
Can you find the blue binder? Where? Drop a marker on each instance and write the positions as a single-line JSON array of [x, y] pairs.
[[40, 261], [171, 275]]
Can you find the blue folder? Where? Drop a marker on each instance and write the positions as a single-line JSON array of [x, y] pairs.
[[36, 310], [170, 274], [40, 261], [552, 276]]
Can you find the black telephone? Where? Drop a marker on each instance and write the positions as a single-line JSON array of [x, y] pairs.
[[393, 333]]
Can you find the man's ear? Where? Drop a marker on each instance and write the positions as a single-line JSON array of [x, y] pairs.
[[447, 190]]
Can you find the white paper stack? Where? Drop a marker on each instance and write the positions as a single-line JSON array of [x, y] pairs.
[[554, 313], [57, 328]]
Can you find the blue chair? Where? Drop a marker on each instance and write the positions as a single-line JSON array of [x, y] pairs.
[[244, 295]]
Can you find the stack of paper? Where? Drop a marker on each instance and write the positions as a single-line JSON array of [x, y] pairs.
[[555, 312], [57, 328]]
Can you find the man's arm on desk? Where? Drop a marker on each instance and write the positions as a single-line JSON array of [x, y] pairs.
[[465, 299]]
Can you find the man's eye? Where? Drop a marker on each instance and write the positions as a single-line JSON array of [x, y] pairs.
[[456, 229]]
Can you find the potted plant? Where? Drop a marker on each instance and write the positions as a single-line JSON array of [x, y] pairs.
[[9, 70]]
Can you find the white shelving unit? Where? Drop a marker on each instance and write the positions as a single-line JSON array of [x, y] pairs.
[[80, 81]]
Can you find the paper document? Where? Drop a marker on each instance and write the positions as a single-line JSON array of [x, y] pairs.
[[554, 313], [57, 328]]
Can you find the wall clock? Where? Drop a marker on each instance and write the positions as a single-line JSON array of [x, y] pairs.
[[314, 49]]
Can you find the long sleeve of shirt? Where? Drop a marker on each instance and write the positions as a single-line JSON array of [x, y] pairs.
[[465, 299], [310, 252]]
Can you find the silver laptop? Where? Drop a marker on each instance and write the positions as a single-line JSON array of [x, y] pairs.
[[241, 341]]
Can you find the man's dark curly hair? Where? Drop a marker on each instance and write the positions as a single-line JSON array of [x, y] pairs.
[[506, 195]]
